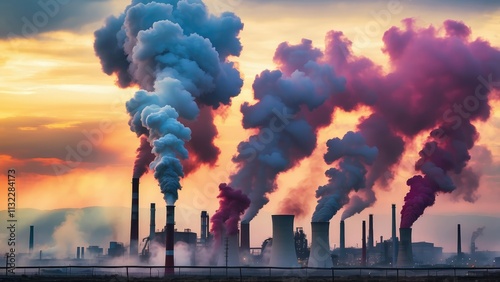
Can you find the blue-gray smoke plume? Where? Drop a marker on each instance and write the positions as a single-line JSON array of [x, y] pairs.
[[353, 155], [176, 52], [286, 119]]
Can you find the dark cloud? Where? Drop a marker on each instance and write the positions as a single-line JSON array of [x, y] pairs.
[[28, 18], [38, 143]]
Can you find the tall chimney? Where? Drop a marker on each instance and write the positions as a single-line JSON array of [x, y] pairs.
[[363, 244], [169, 241], [204, 227], [405, 256], [370, 232], [320, 255], [459, 241], [134, 219], [283, 248], [342, 240], [229, 253], [245, 238], [32, 235], [83, 253], [77, 252], [152, 223], [394, 239]]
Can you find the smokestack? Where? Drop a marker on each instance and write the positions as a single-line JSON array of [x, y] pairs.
[[32, 235], [320, 255], [459, 241], [245, 237], [394, 239], [204, 227], [229, 253], [342, 240], [169, 241], [363, 244], [283, 248], [77, 252], [83, 252], [405, 256], [134, 219], [152, 223], [370, 232]]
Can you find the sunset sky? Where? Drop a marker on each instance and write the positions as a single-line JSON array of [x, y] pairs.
[[57, 102]]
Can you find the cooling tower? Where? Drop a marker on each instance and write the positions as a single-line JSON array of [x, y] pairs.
[[320, 255], [370, 232], [459, 241], [134, 219], [152, 223], [342, 240], [169, 241], [363, 244], [245, 238], [283, 248], [394, 239], [32, 235], [229, 254], [405, 253]]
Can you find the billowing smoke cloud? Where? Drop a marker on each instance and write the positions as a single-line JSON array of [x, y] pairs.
[[377, 133], [476, 234], [439, 78], [284, 119], [455, 95], [232, 205], [144, 157], [177, 54], [353, 155]]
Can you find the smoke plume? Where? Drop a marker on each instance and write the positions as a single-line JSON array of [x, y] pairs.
[[439, 79], [144, 157], [232, 205], [352, 155], [283, 117], [476, 234], [459, 76], [300, 205], [177, 54]]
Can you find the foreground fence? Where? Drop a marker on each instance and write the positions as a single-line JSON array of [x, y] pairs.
[[271, 272]]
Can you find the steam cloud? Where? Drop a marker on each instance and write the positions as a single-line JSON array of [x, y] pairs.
[[352, 155], [177, 54], [232, 205], [285, 118]]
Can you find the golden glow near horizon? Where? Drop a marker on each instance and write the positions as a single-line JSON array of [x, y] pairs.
[[52, 90]]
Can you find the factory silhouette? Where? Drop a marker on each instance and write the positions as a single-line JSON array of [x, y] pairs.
[[185, 72], [288, 246]]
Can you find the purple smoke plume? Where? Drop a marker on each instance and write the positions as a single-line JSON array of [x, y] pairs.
[[232, 205]]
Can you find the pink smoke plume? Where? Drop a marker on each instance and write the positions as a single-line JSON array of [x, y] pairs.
[[143, 158], [232, 205], [452, 88]]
